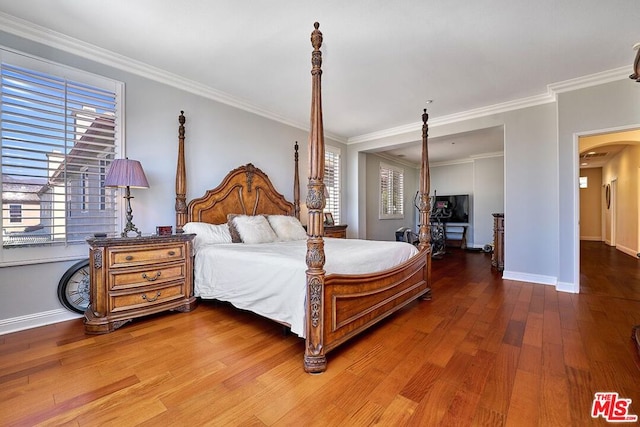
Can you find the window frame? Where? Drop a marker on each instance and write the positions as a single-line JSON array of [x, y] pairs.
[[382, 215], [24, 255], [335, 191]]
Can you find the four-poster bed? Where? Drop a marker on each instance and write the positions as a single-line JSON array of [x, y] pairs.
[[336, 306]]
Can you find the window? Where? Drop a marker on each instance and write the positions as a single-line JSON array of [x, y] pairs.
[[15, 213], [391, 192], [59, 133], [583, 182], [332, 181]]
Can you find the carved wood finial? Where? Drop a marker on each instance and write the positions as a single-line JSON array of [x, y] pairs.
[[316, 56]]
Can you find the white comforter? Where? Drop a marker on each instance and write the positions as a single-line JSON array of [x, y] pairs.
[[269, 278]]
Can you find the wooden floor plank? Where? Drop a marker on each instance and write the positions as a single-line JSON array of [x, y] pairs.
[[484, 351], [525, 400]]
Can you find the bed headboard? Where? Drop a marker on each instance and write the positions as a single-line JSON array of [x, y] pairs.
[[245, 190]]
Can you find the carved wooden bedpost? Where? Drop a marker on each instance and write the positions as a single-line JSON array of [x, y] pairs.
[[424, 205], [296, 183], [314, 355], [181, 179], [424, 233]]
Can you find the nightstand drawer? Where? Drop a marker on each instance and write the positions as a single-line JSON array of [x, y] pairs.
[[126, 257], [133, 277], [147, 298], [150, 275]]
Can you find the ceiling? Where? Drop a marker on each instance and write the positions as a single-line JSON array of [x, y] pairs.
[[459, 147], [597, 150], [382, 60]]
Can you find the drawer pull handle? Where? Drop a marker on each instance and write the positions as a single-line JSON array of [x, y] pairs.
[[129, 258], [151, 279], [172, 253], [152, 299]]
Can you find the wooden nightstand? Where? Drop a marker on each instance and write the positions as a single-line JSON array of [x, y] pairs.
[[138, 276], [339, 231]]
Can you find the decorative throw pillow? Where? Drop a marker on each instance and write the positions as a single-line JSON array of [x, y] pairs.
[[254, 229], [287, 227], [235, 236], [207, 234]]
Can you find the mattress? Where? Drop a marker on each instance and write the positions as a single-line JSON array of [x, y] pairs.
[[269, 279]]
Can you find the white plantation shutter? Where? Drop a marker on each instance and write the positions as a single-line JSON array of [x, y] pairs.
[[332, 181], [391, 192], [59, 137]]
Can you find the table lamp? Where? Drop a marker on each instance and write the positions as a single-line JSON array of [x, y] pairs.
[[127, 173]]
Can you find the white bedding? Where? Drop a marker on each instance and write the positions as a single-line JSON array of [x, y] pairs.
[[269, 278]]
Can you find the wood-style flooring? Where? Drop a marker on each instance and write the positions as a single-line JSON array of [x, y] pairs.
[[484, 351]]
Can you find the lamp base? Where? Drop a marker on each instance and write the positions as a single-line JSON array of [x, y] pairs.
[[130, 226]]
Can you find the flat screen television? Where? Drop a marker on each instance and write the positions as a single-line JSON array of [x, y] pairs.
[[451, 208]]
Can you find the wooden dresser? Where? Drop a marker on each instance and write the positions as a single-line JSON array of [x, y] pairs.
[[138, 276], [339, 231]]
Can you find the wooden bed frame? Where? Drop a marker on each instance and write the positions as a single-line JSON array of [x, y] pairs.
[[338, 306]]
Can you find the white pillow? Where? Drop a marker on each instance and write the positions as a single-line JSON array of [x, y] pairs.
[[207, 234], [254, 229], [287, 227]]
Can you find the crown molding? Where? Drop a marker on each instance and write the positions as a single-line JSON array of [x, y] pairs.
[[457, 117], [397, 160], [451, 162], [45, 36], [27, 30], [603, 77], [487, 155], [551, 96]]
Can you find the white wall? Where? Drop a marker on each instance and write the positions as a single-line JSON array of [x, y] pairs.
[[483, 180], [597, 109], [540, 171], [452, 179], [530, 190], [488, 197], [624, 169], [384, 229], [218, 139]]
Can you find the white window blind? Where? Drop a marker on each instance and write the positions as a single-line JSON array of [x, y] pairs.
[[58, 139], [391, 192], [332, 181]]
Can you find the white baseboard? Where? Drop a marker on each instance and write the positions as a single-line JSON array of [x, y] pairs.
[[35, 320], [592, 238], [541, 279], [568, 287], [526, 277], [627, 251]]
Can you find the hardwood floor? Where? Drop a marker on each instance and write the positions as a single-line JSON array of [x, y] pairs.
[[483, 352]]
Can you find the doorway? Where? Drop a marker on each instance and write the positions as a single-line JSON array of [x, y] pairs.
[[613, 152]]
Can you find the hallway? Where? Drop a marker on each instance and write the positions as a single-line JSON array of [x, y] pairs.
[[607, 272]]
